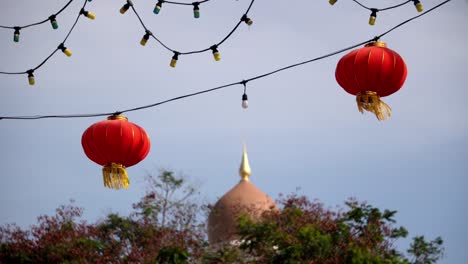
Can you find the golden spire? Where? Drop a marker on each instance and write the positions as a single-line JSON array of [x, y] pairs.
[[244, 170]]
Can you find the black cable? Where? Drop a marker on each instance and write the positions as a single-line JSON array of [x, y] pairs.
[[187, 4], [41, 22], [413, 18], [243, 82], [382, 9], [55, 50], [195, 51]]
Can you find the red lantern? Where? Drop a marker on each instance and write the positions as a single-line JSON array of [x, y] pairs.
[[115, 144], [372, 72]]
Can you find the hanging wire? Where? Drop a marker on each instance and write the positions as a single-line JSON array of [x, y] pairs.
[[42, 21], [382, 9], [243, 82], [187, 4], [195, 51], [55, 50]]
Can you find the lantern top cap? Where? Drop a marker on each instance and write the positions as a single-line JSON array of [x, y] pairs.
[[117, 117], [377, 43]]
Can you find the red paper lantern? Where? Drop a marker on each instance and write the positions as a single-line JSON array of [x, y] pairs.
[[372, 72], [116, 144]]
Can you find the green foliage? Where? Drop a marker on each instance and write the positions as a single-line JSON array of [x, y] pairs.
[[172, 255], [424, 252], [305, 232]]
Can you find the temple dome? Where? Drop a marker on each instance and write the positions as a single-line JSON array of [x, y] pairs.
[[244, 198]]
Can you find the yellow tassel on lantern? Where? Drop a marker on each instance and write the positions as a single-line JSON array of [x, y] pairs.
[[371, 102], [115, 176]]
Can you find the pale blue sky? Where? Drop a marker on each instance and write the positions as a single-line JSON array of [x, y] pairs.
[[302, 129]]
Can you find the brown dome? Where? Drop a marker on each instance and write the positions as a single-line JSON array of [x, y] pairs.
[[244, 198]]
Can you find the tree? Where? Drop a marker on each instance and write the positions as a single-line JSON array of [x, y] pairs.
[[305, 232], [162, 229], [423, 252], [167, 227]]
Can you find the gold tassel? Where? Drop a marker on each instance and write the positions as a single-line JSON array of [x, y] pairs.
[[115, 176], [371, 102]]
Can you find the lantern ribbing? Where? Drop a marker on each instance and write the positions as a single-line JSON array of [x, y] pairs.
[[369, 73], [115, 144]]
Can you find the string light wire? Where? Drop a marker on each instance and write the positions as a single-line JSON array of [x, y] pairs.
[[42, 21], [55, 50], [243, 82], [187, 4], [195, 51], [382, 9]]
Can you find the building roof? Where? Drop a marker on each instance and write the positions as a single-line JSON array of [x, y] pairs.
[[243, 198]]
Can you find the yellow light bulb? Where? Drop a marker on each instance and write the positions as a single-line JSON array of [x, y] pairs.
[[247, 20], [373, 17], [88, 14], [418, 6], [216, 56], [67, 52], [31, 79], [173, 63], [145, 38], [91, 16], [174, 59]]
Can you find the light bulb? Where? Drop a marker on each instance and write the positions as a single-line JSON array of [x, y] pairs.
[[31, 79], [158, 7], [126, 7], [418, 5], [247, 20], [245, 102], [16, 34], [332, 2], [196, 10], [174, 60], [145, 38], [65, 50], [87, 14], [53, 21], [216, 54], [373, 16]]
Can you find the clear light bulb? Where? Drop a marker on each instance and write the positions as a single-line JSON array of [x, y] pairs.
[[245, 101]]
